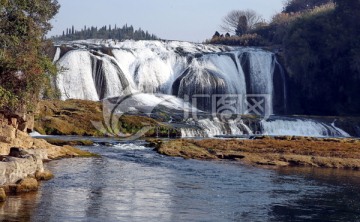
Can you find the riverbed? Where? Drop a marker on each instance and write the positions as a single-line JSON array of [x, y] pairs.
[[131, 182]]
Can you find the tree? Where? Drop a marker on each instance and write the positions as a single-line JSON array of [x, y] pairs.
[[24, 65], [233, 19], [216, 35], [302, 5], [242, 26]]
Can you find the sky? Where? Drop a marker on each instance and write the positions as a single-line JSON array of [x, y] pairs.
[[185, 20]]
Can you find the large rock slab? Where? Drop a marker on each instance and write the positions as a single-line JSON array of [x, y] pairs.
[[14, 169]]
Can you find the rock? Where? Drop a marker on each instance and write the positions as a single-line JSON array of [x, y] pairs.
[[25, 139], [283, 137], [2, 195], [17, 152], [8, 131], [15, 169], [233, 156], [45, 175], [4, 139], [27, 185], [14, 122]]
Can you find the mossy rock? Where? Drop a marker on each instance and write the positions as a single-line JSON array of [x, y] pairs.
[[76, 117], [26, 185], [45, 175], [59, 142]]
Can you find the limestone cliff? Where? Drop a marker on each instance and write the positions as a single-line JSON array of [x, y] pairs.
[[13, 133]]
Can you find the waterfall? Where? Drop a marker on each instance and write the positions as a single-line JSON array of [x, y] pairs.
[[198, 75], [75, 80], [57, 55], [215, 127], [301, 127], [99, 69]]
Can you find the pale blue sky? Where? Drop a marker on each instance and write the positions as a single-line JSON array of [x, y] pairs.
[[188, 20]]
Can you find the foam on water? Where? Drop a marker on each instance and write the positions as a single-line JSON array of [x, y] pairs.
[[129, 146]]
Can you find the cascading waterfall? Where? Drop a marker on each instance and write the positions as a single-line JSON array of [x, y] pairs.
[[301, 127], [100, 69], [76, 79], [177, 68]]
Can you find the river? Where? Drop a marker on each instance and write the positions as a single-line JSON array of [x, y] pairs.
[[131, 182]]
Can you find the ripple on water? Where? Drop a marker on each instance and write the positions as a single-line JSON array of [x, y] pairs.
[[131, 182]]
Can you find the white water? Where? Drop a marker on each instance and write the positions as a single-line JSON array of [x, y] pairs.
[[155, 66], [147, 68], [299, 127], [35, 134], [342, 132], [76, 79], [215, 127], [57, 55]]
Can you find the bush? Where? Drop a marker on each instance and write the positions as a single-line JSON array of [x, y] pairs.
[[243, 40]]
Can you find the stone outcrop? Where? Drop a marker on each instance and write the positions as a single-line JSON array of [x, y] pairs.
[[13, 169], [21, 156], [13, 136], [25, 185]]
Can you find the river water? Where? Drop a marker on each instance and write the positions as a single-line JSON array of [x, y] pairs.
[[131, 182]]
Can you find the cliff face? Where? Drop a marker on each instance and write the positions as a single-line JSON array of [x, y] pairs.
[[13, 134], [13, 130]]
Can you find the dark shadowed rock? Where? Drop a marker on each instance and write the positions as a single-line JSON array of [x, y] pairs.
[[17, 152]]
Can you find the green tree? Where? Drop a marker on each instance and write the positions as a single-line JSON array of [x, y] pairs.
[[322, 54], [24, 65], [301, 5]]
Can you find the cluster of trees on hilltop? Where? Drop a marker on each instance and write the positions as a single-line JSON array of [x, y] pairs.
[[24, 64], [238, 25], [249, 25], [105, 32], [320, 48]]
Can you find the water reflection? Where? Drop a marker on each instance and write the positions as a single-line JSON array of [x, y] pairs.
[[335, 196], [19, 208], [132, 183]]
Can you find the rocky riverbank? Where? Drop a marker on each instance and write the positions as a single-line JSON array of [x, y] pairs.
[[269, 151], [21, 156]]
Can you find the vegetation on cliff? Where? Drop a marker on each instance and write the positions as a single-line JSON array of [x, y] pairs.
[[24, 67], [320, 48]]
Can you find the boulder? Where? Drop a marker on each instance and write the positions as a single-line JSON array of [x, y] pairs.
[[45, 175], [27, 185], [13, 169], [17, 152]]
